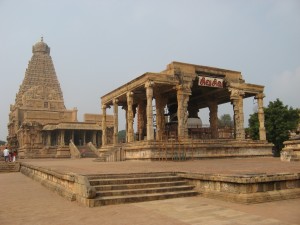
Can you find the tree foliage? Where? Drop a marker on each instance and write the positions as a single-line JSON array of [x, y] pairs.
[[122, 135], [2, 142], [225, 121], [279, 120]]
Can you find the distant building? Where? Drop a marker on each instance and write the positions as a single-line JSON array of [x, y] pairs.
[[39, 123]]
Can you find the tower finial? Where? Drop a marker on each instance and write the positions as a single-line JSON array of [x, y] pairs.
[[42, 39]]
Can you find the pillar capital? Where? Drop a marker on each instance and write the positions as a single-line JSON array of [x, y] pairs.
[[104, 106], [115, 101], [129, 94], [149, 83], [235, 93], [260, 96]]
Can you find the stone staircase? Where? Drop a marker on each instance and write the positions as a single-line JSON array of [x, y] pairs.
[[128, 188]]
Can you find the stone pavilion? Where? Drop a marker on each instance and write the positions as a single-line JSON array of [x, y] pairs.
[[165, 106]]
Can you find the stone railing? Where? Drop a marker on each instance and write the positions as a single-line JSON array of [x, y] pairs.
[[75, 153], [113, 155], [93, 148], [71, 186]]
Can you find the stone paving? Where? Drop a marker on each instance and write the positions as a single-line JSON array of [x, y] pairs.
[[24, 201]]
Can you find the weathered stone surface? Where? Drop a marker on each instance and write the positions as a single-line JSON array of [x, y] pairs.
[[40, 126]]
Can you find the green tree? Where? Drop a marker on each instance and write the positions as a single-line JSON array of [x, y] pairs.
[[122, 135], [225, 121], [279, 120], [2, 142]]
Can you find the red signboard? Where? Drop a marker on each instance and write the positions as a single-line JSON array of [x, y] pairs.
[[211, 82]]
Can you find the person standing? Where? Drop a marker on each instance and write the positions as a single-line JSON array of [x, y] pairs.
[[14, 155], [6, 154]]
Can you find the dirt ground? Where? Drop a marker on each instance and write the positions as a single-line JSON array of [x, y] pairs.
[[24, 201]]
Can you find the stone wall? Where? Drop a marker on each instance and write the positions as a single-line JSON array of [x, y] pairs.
[[71, 186], [247, 189]]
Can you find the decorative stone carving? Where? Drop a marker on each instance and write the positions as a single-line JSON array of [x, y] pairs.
[[261, 116], [130, 132], [149, 94]]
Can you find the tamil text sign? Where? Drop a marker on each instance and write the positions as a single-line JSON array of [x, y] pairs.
[[211, 82]]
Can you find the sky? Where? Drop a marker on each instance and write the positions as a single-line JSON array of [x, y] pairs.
[[98, 45]]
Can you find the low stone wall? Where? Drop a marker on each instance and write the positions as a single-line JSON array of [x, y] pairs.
[[6, 167], [71, 186], [247, 189]]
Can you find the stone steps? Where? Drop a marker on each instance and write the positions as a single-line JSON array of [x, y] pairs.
[[127, 188], [139, 185], [113, 200], [144, 191]]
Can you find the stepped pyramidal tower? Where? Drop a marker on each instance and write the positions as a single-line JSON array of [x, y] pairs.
[[40, 88], [39, 123]]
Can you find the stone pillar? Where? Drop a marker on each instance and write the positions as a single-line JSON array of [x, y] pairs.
[[149, 112], [182, 112], [104, 135], [73, 136], [261, 116], [62, 137], [141, 119], [116, 129], [84, 137], [48, 138], [241, 110], [213, 118], [95, 138], [130, 136], [160, 103], [236, 97]]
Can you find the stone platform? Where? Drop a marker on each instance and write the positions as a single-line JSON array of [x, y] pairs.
[[188, 149], [243, 180]]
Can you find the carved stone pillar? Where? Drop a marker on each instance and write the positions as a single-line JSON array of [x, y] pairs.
[[116, 129], [236, 97], [130, 136], [261, 116], [213, 118], [104, 135], [62, 137], [149, 112], [84, 137], [95, 138], [141, 119], [241, 110], [48, 138], [160, 103], [182, 112]]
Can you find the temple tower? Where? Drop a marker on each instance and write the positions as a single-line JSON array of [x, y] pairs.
[[38, 102], [40, 87]]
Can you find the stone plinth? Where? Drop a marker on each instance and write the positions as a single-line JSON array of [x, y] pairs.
[[192, 149], [247, 188], [291, 151]]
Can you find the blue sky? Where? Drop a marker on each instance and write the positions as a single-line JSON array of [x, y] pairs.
[[98, 45]]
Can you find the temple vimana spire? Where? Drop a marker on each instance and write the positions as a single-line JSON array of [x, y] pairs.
[[39, 123], [40, 87]]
